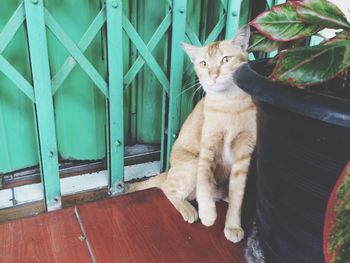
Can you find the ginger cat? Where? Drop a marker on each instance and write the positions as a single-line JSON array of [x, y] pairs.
[[211, 156]]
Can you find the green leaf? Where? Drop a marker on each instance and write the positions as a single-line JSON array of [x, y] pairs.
[[259, 42], [321, 12], [337, 224], [312, 65], [281, 23]]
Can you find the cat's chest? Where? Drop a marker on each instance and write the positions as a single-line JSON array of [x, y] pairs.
[[226, 150]]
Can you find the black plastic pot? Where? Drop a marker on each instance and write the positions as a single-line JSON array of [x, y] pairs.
[[303, 145]]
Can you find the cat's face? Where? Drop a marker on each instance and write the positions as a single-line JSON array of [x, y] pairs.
[[215, 63]]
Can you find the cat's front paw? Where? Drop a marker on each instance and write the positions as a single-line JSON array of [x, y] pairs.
[[208, 215], [234, 234]]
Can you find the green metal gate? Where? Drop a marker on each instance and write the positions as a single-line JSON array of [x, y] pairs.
[[81, 79]]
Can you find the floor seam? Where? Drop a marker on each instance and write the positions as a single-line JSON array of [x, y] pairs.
[[86, 240]]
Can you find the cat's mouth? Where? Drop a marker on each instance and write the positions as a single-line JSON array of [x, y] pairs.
[[220, 81], [216, 87]]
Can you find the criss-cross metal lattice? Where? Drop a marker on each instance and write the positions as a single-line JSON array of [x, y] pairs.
[[215, 32], [6, 36], [145, 51], [76, 51]]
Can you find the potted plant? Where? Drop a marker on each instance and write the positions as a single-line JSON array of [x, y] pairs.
[[303, 101]]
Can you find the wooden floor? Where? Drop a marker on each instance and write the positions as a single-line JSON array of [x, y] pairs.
[[140, 227]]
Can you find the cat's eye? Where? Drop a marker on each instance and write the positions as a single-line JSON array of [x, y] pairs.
[[226, 59], [203, 64]]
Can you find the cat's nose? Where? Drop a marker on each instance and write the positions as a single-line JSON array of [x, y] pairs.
[[214, 77]]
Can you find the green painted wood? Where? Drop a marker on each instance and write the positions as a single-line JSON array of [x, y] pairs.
[[204, 19], [16, 110], [163, 139], [44, 103], [214, 34], [149, 89], [115, 79], [232, 22], [245, 17], [79, 105], [130, 98], [176, 69], [245, 14], [214, 14], [192, 36], [224, 3], [133, 89], [197, 25]]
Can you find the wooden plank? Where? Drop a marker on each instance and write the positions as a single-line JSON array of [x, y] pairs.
[[37, 207], [116, 96], [74, 187], [20, 211], [84, 197], [52, 237], [44, 104], [145, 227]]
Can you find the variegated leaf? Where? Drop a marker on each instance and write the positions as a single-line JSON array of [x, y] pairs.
[[312, 65], [281, 23], [259, 42], [321, 12]]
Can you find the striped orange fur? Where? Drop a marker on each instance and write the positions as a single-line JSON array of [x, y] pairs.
[[211, 156]]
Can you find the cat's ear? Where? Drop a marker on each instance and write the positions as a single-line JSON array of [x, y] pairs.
[[190, 50], [242, 37]]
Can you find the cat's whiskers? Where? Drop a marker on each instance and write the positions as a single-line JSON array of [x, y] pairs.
[[195, 91], [191, 87], [191, 82]]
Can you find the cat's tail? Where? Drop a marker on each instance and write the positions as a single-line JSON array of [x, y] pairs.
[[155, 181]]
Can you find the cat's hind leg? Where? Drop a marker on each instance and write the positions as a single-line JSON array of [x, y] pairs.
[[180, 187], [242, 152]]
